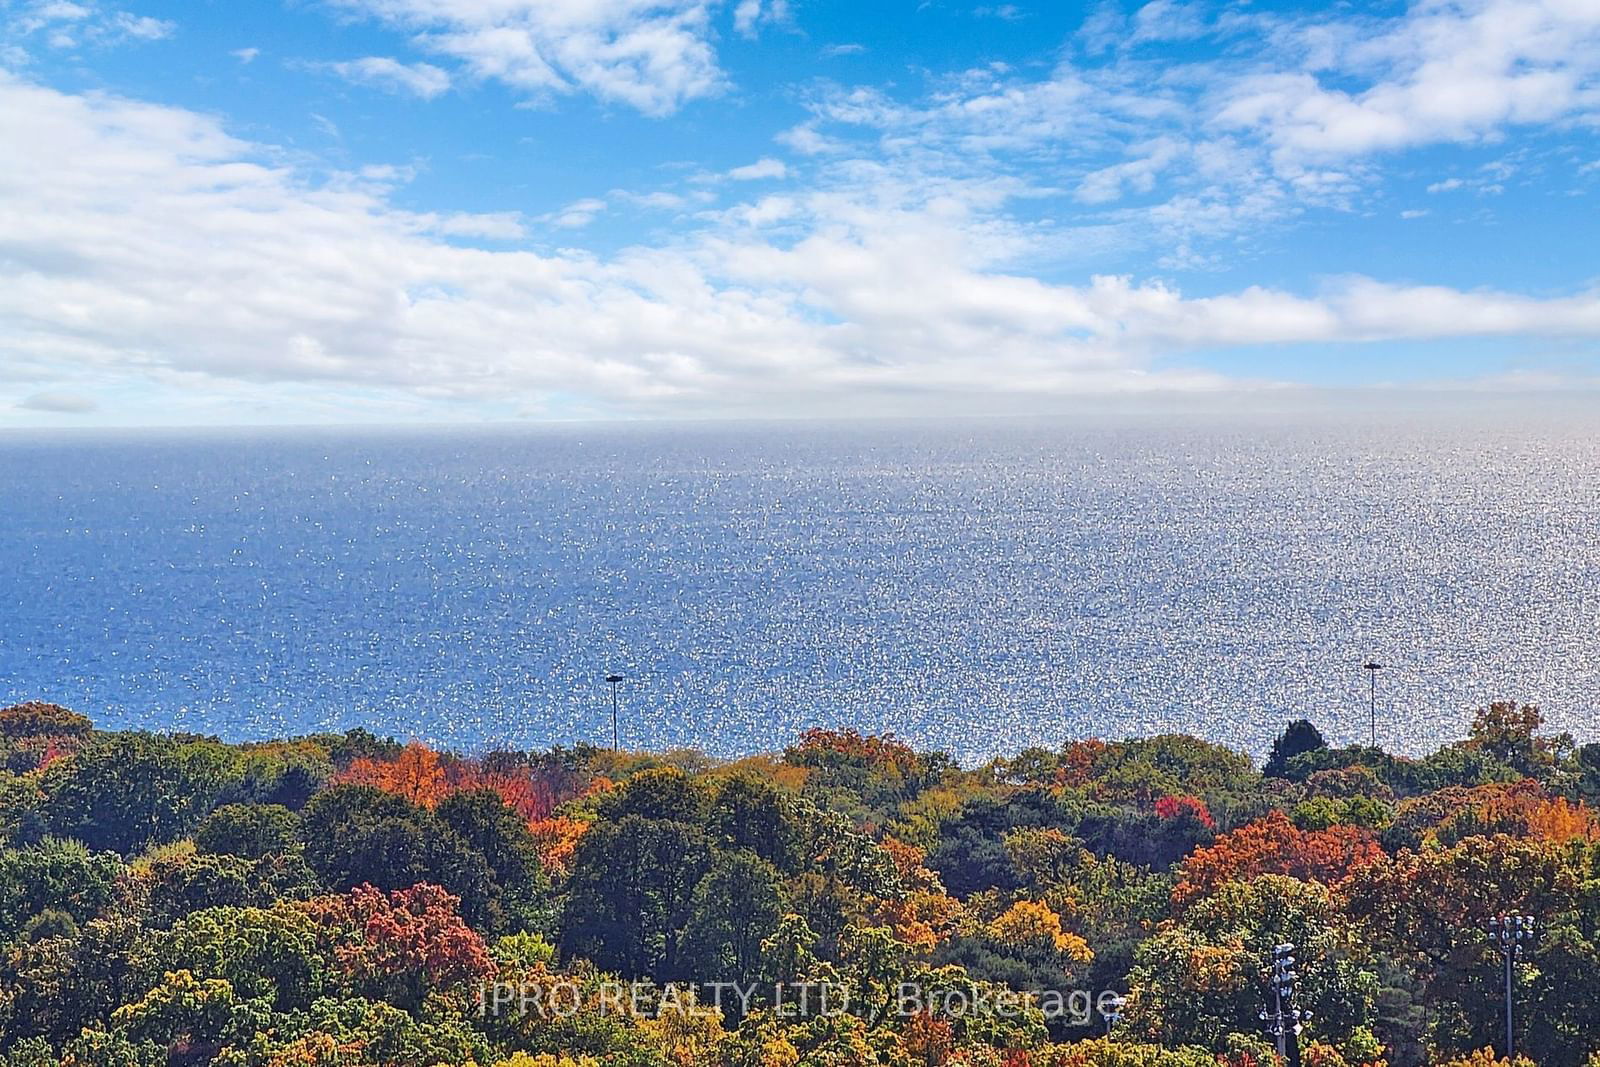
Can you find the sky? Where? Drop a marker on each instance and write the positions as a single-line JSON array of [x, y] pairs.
[[392, 211]]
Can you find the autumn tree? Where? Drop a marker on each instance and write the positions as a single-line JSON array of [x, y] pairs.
[[415, 775], [401, 945], [1509, 732], [37, 718], [1274, 845]]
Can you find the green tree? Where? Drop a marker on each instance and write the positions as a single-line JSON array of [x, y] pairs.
[[185, 882], [630, 893], [127, 791], [269, 953], [481, 819], [20, 800], [1204, 976], [192, 1019], [1298, 738], [249, 830], [736, 907], [747, 813], [54, 875], [658, 793], [358, 835], [286, 774]]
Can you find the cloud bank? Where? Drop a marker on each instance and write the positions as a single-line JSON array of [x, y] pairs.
[[146, 242]]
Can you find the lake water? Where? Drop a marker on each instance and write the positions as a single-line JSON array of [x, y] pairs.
[[973, 586]]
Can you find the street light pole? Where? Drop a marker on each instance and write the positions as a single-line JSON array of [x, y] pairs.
[[1509, 933], [615, 680], [1112, 1008], [1372, 667], [1284, 1021]]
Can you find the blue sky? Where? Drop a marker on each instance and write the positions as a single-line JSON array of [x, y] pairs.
[[420, 210]]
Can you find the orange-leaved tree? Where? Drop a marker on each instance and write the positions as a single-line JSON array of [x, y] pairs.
[[415, 774], [1522, 809], [1274, 845]]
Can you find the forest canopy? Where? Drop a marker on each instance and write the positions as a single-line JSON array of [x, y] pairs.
[[345, 899]]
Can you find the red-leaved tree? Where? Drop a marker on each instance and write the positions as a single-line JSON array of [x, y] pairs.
[[402, 945]]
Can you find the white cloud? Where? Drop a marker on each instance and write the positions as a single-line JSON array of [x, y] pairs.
[[57, 10], [806, 140], [491, 226], [148, 247], [1168, 20], [849, 49], [1447, 71], [1273, 115], [745, 14], [1139, 175], [750, 15], [141, 27], [653, 55], [63, 25], [422, 80], [761, 168], [59, 403], [577, 214], [245, 55]]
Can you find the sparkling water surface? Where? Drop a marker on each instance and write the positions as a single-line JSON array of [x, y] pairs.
[[975, 586]]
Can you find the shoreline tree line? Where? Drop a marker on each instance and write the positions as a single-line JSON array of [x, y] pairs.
[[341, 900]]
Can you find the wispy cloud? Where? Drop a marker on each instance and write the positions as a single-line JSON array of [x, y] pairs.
[[576, 215], [760, 169], [750, 15], [652, 55], [1446, 71], [64, 25], [422, 80]]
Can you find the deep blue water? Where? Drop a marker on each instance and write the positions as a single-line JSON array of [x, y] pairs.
[[975, 586]]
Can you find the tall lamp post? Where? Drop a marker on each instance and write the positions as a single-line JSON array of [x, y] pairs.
[[1284, 1020], [1372, 667], [1509, 933], [615, 680], [1111, 1008]]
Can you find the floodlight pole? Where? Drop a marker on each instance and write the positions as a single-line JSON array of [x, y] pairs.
[[1285, 1021], [1509, 933], [1112, 1010]]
